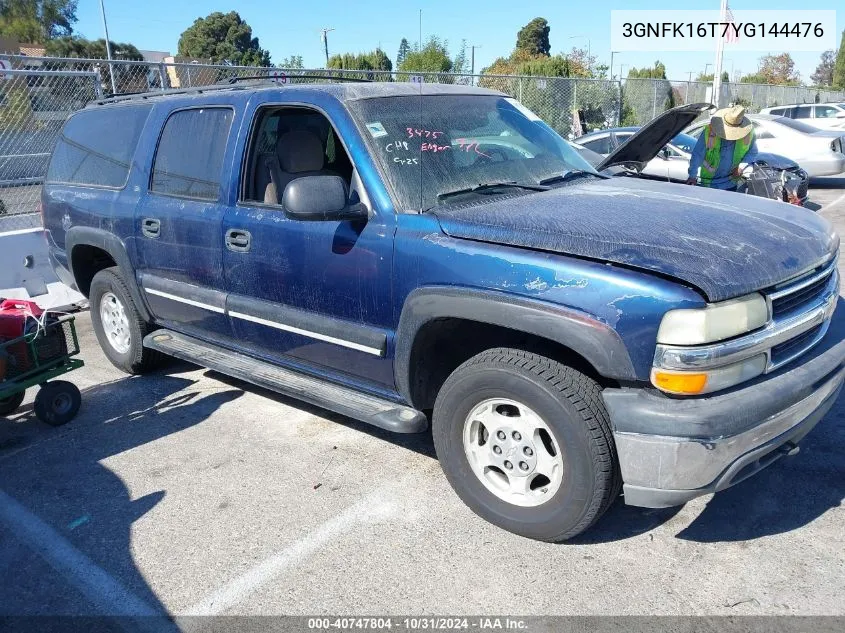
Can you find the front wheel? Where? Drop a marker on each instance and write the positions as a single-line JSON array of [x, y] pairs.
[[526, 443], [57, 402]]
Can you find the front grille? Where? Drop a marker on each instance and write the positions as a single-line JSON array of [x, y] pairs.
[[799, 293], [786, 351]]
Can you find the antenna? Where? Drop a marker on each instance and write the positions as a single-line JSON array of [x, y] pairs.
[[325, 39]]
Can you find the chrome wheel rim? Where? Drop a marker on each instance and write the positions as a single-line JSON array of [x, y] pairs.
[[115, 323], [513, 452]]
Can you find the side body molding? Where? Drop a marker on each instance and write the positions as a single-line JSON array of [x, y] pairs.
[[597, 342], [109, 242]]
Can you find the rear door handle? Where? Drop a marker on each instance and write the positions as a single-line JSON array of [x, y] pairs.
[[151, 227], [238, 240]]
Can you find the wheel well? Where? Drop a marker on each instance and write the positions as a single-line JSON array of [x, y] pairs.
[[441, 345], [86, 261]]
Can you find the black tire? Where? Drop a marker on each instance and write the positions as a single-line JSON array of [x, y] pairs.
[[57, 402], [136, 359], [10, 405], [569, 403]]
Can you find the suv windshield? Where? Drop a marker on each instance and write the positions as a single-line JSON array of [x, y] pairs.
[[433, 145]]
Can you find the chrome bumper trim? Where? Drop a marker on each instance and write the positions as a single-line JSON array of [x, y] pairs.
[[761, 341]]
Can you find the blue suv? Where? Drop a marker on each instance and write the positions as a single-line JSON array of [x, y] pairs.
[[406, 254]]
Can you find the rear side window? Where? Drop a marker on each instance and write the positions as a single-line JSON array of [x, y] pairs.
[[96, 146], [599, 145], [803, 112], [189, 159], [778, 111]]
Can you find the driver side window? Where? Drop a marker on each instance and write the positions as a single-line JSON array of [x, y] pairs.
[[291, 143]]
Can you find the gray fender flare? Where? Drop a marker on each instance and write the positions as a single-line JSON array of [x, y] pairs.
[[595, 341], [109, 242]]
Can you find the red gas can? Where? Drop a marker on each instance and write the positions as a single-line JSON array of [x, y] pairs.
[[17, 317]]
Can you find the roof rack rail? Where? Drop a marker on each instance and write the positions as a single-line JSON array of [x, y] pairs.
[[234, 80], [125, 96]]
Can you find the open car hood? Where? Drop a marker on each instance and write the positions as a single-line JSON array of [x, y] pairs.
[[652, 137]]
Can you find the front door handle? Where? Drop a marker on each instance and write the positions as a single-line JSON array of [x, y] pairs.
[[238, 240], [151, 227]]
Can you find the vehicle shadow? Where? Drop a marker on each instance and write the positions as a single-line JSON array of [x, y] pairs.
[[789, 494], [61, 476], [421, 443]]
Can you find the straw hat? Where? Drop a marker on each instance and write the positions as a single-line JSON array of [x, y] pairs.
[[731, 123]]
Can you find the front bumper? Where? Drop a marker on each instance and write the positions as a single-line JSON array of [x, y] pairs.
[[673, 450]]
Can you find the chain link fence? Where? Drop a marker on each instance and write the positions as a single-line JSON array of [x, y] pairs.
[[33, 107], [38, 94]]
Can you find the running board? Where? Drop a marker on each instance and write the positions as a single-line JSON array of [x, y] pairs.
[[370, 409]]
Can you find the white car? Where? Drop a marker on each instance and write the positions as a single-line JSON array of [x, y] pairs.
[[825, 116], [819, 152]]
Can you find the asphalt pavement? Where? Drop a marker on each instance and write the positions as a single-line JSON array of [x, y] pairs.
[[185, 492]]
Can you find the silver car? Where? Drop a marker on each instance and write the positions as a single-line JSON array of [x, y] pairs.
[[819, 152], [825, 116]]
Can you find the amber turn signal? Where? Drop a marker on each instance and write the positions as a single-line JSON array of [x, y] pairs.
[[681, 383]]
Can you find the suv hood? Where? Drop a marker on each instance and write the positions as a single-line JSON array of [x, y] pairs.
[[722, 243], [653, 136]]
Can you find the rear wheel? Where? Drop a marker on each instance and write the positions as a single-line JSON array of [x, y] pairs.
[[526, 443], [119, 327]]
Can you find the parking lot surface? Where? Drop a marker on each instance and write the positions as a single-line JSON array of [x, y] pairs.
[[189, 493]]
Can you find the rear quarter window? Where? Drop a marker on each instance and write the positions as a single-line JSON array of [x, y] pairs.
[[96, 146]]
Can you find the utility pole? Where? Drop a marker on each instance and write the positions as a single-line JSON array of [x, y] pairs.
[[325, 38], [108, 48], [472, 58], [420, 44], [720, 49]]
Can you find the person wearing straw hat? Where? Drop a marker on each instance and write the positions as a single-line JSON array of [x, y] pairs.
[[724, 144]]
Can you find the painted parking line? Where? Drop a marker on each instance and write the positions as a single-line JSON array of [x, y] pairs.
[[834, 203], [104, 591], [376, 506]]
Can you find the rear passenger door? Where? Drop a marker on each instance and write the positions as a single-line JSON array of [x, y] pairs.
[[178, 223]]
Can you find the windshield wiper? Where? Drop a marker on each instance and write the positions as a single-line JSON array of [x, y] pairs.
[[569, 175], [484, 186]]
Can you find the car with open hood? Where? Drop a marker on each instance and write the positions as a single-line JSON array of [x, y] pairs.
[[436, 256], [670, 161]]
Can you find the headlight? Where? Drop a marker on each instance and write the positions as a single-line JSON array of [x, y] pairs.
[[715, 322], [694, 383]]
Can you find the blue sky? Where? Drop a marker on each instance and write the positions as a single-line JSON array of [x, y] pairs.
[[292, 28]]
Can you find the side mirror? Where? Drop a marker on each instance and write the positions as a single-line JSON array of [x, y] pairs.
[[320, 198], [665, 153]]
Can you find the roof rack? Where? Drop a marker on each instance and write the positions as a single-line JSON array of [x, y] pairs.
[[234, 80], [125, 96]]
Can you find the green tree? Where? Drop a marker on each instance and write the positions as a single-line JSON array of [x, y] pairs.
[[774, 69], [404, 49], [658, 71], [533, 38], [293, 62], [839, 66], [460, 64], [374, 60], [433, 58], [223, 38], [37, 21], [709, 77], [91, 49], [823, 75]]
